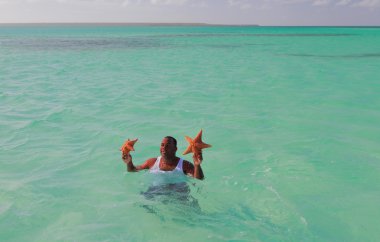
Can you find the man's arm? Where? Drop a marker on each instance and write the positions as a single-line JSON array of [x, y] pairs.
[[196, 169], [127, 158]]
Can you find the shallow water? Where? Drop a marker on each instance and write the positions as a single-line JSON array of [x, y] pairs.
[[292, 114]]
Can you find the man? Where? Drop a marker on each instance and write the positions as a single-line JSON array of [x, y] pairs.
[[168, 161]]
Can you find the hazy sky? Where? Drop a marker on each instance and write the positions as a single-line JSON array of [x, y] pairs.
[[262, 12]]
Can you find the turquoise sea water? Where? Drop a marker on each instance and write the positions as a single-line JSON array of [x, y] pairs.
[[292, 114]]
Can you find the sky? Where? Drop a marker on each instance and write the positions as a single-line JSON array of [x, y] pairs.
[[260, 12]]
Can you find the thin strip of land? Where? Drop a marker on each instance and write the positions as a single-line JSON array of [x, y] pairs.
[[121, 24]]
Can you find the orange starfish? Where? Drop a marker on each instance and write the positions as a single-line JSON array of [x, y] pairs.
[[196, 144], [128, 146]]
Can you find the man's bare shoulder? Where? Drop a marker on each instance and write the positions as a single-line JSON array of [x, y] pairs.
[[148, 163], [151, 161]]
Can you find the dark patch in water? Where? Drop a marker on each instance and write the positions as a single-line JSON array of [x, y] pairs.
[[175, 195], [166, 193], [207, 35], [307, 35], [80, 44], [364, 55], [133, 42], [221, 46], [229, 46]]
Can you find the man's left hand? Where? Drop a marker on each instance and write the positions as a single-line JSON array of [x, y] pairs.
[[197, 158]]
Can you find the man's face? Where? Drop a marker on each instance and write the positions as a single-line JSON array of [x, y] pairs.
[[168, 148]]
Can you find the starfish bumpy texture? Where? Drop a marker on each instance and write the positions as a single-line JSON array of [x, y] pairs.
[[128, 146], [196, 144]]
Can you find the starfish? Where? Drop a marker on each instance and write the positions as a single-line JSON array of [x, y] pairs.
[[196, 144], [128, 146]]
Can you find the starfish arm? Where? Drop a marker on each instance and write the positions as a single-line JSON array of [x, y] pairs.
[[128, 145], [188, 150], [202, 146], [195, 145], [122, 147], [198, 138], [190, 140]]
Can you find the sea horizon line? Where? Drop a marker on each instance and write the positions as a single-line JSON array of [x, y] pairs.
[[190, 24], [126, 23]]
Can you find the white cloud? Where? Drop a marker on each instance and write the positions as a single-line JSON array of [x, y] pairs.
[[234, 2], [264, 12], [321, 2], [343, 2], [126, 3], [168, 2], [368, 4], [292, 1], [355, 3], [243, 4], [201, 4]]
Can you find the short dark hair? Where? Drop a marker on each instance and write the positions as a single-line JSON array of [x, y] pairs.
[[173, 139]]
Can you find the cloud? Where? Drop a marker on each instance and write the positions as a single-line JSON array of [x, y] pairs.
[[201, 4], [368, 4], [110, 2], [243, 4], [343, 2], [168, 2], [126, 3], [234, 2], [321, 2], [292, 1], [352, 3]]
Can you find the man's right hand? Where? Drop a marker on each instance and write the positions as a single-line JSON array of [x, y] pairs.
[[127, 158]]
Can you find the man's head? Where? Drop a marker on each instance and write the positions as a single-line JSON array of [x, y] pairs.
[[168, 147]]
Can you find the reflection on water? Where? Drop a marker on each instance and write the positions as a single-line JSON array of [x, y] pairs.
[[170, 197], [177, 193]]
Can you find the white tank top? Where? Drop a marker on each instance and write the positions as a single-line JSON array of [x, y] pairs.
[[156, 167]]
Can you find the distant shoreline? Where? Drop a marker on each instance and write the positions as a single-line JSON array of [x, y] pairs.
[[128, 24], [69, 24]]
